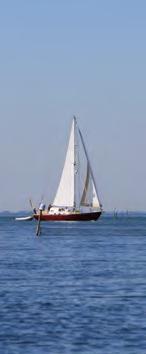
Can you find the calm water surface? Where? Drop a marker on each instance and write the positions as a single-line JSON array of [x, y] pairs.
[[79, 288]]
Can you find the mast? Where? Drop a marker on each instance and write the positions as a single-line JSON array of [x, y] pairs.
[[66, 192], [74, 162]]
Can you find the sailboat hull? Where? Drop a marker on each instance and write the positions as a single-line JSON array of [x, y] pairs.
[[69, 217]]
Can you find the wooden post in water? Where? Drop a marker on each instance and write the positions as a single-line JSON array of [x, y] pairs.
[[38, 229]]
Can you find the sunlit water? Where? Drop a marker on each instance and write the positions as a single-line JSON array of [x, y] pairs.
[[78, 288]]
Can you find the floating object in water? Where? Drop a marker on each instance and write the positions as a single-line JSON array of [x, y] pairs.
[[25, 218]]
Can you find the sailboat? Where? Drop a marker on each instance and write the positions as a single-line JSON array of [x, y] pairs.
[[77, 197]]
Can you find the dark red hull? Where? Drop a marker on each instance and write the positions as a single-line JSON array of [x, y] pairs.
[[69, 217]]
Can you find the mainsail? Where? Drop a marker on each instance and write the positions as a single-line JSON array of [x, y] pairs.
[[72, 193], [65, 192]]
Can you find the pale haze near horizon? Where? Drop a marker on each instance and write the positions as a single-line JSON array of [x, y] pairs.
[[59, 59]]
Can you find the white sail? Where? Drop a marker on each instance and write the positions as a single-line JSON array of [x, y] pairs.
[[90, 195], [66, 188], [95, 200], [70, 193], [85, 198]]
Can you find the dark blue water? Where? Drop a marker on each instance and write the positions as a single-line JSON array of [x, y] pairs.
[[79, 288]]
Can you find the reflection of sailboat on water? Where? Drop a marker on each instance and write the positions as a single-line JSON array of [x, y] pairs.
[[76, 198]]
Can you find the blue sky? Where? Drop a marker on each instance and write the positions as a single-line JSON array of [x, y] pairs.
[[60, 58]]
